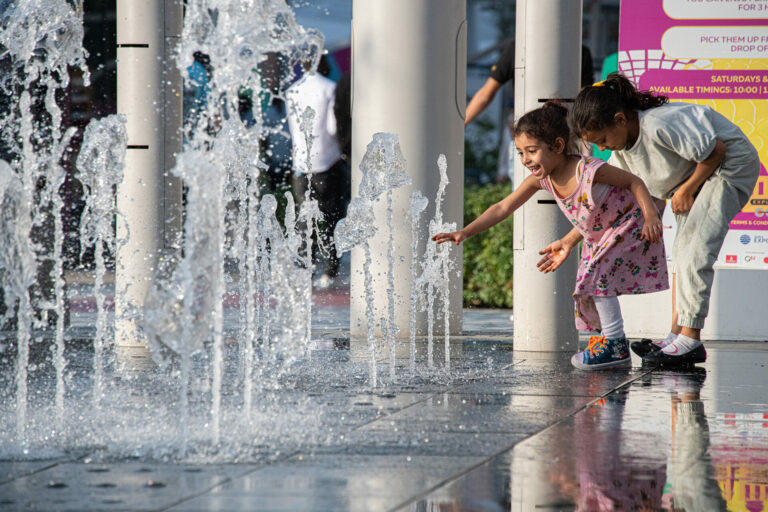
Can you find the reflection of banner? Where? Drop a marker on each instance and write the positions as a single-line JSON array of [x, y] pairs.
[[715, 53], [739, 459]]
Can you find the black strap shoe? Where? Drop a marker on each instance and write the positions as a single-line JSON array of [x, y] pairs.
[[643, 347], [660, 358]]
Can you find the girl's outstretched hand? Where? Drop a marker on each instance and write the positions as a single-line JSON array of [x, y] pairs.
[[555, 255], [653, 229], [455, 236]]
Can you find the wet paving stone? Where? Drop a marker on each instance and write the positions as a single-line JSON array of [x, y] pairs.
[[505, 432], [331, 482], [125, 486], [694, 439]]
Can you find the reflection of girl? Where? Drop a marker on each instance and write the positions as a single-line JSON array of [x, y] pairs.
[[690, 475], [608, 481]]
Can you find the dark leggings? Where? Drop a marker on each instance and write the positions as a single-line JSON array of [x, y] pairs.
[[331, 189]]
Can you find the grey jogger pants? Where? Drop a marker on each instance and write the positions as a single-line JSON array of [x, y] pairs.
[[700, 235]]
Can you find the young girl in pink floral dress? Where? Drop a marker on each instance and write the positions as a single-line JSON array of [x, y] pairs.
[[622, 253]]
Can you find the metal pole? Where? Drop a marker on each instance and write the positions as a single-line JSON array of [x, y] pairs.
[[409, 78], [149, 93], [547, 65]]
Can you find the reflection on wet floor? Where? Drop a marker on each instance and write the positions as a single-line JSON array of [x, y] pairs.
[[504, 431], [693, 439]]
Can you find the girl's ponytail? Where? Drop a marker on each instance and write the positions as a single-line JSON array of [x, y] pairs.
[[631, 97], [596, 105]]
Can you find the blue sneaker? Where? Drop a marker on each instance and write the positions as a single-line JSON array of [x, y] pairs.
[[603, 353]]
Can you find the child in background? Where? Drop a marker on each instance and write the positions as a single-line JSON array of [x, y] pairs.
[[611, 208], [691, 155]]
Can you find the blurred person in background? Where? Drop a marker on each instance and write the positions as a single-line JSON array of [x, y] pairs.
[[502, 72], [323, 173], [274, 139], [195, 97]]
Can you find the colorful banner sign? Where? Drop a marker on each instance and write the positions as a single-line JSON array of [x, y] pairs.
[[709, 52]]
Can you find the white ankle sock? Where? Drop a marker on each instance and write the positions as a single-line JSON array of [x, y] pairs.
[[682, 345], [666, 341]]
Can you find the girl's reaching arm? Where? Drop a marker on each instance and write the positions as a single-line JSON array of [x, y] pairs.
[[682, 199], [610, 175], [495, 214]]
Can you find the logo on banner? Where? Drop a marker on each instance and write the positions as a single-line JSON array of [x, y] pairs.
[[731, 258], [745, 239]]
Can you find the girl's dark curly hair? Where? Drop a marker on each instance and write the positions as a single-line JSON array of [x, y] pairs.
[[596, 105], [546, 123]]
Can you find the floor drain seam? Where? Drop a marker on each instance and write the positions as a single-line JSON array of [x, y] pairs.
[[432, 395], [44, 468], [226, 480], [25, 475]]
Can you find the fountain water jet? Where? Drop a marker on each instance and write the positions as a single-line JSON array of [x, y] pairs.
[[42, 38], [101, 161], [418, 203], [233, 247], [357, 228], [383, 167], [435, 276]]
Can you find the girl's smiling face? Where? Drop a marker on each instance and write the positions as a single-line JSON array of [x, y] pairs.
[[539, 157]]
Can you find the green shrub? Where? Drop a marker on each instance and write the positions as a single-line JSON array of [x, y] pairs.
[[487, 256]]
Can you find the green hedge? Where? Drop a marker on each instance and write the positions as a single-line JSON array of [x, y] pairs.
[[487, 256]]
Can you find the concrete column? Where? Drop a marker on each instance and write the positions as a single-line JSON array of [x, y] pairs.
[[409, 78], [547, 65], [149, 93]]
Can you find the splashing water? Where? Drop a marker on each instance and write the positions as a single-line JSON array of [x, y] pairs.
[[219, 389], [434, 279], [101, 162], [225, 226], [357, 228], [41, 39], [443, 254], [309, 212], [272, 279], [383, 167], [418, 203]]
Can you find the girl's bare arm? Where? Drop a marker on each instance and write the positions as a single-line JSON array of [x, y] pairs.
[[495, 214], [610, 175]]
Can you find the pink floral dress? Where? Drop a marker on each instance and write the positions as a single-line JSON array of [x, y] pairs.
[[615, 260]]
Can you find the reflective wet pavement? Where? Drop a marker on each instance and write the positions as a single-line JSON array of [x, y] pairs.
[[527, 433]]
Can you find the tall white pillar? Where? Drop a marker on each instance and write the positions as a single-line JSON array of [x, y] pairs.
[[547, 65], [409, 78], [149, 93]]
